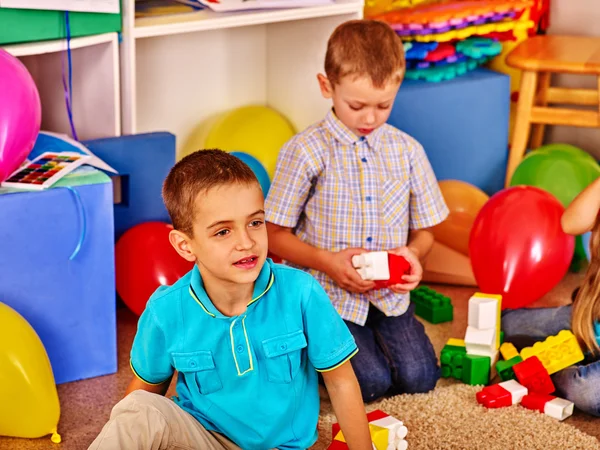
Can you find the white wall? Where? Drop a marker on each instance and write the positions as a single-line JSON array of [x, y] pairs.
[[576, 17]]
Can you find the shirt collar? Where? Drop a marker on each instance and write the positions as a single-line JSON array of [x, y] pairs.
[[262, 284], [343, 134]]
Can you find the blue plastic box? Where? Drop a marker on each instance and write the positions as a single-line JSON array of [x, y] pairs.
[[66, 295], [461, 123]]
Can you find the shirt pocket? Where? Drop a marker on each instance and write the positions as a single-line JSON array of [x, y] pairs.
[[395, 199], [199, 371], [284, 356]]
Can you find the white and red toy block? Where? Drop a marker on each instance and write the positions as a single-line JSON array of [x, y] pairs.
[[387, 433], [500, 395], [550, 405], [384, 268]]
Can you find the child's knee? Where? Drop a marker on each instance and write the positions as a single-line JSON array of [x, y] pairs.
[[374, 383], [420, 378], [580, 386]]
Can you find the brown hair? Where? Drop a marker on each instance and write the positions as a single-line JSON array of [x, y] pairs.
[[364, 47], [586, 308], [198, 172]]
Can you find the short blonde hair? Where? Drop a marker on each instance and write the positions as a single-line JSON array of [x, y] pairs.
[[365, 48]]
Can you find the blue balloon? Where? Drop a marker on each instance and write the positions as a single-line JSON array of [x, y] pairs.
[[257, 168], [585, 240]]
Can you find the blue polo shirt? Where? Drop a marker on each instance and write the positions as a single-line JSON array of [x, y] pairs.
[[250, 377]]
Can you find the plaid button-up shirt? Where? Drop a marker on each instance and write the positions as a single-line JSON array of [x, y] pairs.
[[337, 191]]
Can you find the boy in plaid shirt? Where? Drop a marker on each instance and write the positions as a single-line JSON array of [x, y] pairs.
[[351, 184]]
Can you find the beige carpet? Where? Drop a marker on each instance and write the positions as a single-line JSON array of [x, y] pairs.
[[450, 418]]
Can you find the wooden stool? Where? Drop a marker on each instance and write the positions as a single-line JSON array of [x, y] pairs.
[[538, 58]]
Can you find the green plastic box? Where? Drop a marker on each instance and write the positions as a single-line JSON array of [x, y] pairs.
[[29, 25]]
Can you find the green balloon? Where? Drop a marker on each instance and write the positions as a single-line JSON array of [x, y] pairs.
[[561, 169]]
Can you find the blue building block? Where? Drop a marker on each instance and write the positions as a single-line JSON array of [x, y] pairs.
[[461, 123], [143, 162], [66, 295]]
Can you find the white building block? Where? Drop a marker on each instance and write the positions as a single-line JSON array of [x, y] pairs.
[[517, 391], [372, 266], [480, 342], [483, 312], [559, 408]]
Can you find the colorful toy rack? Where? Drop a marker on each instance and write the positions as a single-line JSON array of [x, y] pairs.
[[473, 30], [441, 14]]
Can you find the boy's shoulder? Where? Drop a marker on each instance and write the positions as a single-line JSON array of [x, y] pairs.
[[391, 132], [165, 296], [293, 284]]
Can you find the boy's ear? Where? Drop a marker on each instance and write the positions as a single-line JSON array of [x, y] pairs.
[[180, 242], [325, 86]]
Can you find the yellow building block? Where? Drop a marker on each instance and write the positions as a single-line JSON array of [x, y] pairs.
[[380, 436], [556, 352], [508, 350], [498, 312], [339, 437], [456, 342]]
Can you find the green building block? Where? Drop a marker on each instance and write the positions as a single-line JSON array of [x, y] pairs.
[[505, 368], [451, 360], [476, 370], [431, 305], [501, 337]]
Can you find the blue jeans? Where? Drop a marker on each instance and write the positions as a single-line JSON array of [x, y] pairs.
[[579, 383], [394, 355]]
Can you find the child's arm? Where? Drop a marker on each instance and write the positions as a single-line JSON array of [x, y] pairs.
[[137, 384], [337, 265], [346, 399], [581, 214]]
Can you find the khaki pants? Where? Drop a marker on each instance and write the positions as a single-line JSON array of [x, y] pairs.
[[148, 421]]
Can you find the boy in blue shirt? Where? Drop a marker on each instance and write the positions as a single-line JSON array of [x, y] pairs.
[[244, 334]]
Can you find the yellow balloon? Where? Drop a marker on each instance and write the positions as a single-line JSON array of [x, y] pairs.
[[30, 407], [257, 130], [464, 202]]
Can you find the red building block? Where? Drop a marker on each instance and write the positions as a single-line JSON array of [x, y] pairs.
[[532, 374], [399, 266], [501, 395]]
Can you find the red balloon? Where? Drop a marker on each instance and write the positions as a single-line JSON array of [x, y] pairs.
[[145, 259], [517, 246]]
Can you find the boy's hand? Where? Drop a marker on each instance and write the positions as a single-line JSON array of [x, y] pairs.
[[341, 271], [416, 271]]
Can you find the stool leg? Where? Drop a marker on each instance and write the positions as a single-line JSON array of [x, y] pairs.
[[537, 130], [522, 123]]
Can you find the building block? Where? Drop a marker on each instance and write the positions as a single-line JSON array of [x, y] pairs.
[[501, 337], [431, 305], [505, 368], [471, 114], [384, 268], [476, 370], [143, 162], [508, 350], [550, 405], [480, 341], [501, 395], [532, 374], [456, 342], [556, 352], [452, 360], [483, 312], [387, 433]]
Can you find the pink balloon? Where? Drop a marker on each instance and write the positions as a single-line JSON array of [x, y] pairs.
[[20, 114]]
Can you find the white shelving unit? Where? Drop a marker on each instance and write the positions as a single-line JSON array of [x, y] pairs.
[[96, 83], [179, 70]]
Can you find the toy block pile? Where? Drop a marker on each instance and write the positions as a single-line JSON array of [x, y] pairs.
[[526, 376], [387, 433], [472, 360], [385, 269]]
